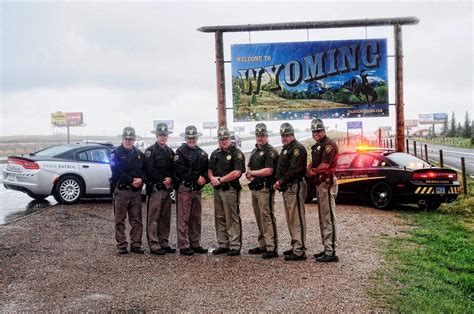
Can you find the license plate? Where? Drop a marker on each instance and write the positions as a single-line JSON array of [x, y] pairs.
[[440, 190]]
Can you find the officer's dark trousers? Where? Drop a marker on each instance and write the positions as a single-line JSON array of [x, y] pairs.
[[158, 219], [128, 202], [188, 217]]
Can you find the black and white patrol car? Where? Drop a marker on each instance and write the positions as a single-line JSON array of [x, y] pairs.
[[386, 177]]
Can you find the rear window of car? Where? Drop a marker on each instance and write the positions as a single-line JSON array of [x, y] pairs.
[[344, 161], [95, 155], [407, 160], [53, 151]]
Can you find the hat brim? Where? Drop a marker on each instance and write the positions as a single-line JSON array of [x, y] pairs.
[[128, 137], [161, 132], [198, 134]]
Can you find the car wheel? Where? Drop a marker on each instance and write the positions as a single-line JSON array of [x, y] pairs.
[[68, 190], [433, 205], [381, 196], [173, 196]]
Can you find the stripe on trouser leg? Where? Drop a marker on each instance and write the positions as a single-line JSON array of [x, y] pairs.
[[147, 213], [240, 220], [300, 216], [333, 225], [272, 216]]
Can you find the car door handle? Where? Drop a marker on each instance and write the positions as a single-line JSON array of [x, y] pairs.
[[85, 166]]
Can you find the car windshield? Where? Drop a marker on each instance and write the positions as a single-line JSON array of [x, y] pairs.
[[54, 151], [409, 161]]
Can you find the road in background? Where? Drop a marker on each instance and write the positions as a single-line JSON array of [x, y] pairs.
[[451, 155]]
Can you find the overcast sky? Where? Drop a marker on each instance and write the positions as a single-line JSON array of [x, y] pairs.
[[139, 62]]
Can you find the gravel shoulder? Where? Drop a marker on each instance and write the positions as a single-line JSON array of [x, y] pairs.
[[63, 259]]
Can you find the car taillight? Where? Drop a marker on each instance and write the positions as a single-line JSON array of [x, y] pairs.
[[24, 163], [430, 175]]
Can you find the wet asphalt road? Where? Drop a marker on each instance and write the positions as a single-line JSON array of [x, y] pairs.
[[451, 155]]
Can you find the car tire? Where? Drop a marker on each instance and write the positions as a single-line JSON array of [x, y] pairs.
[[68, 190], [381, 196], [433, 205]]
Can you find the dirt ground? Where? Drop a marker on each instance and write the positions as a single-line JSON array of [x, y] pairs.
[[63, 259]]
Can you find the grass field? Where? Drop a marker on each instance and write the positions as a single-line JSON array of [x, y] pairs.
[[450, 141], [431, 268]]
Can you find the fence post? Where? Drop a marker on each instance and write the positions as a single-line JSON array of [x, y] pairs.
[[426, 152], [441, 158], [414, 147], [464, 181], [408, 147], [391, 143]]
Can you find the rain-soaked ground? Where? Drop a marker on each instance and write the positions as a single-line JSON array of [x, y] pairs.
[[63, 259]]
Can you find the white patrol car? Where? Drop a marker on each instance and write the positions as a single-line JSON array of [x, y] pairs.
[[68, 172]]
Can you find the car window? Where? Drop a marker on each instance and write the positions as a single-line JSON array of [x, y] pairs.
[[344, 161], [95, 155], [407, 160], [365, 161], [54, 151]]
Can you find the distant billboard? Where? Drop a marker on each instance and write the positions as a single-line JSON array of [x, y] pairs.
[[354, 125], [432, 118], [304, 80], [209, 125], [169, 123], [67, 118], [411, 123], [385, 128]]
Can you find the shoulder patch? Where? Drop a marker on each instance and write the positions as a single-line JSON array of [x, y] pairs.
[[273, 154], [328, 148], [240, 156], [284, 152], [176, 157], [112, 155], [139, 156], [318, 148], [203, 154], [147, 153], [296, 152]]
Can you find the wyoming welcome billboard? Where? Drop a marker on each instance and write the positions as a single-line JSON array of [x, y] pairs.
[[305, 80]]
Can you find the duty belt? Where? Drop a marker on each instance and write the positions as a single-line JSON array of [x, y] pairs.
[[122, 186]]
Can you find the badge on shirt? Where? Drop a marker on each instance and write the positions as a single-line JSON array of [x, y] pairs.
[[261, 153], [284, 152], [328, 148], [318, 148], [296, 152], [229, 157], [147, 153]]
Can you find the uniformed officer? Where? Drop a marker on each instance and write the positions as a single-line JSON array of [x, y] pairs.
[[190, 170], [159, 173], [261, 174], [322, 168], [226, 165], [291, 169], [127, 164]]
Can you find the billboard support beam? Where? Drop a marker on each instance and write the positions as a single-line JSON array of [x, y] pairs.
[[399, 110], [221, 109], [397, 22]]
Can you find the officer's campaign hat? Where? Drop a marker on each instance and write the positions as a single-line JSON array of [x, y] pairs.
[[261, 129], [287, 129], [161, 129], [317, 125], [129, 133], [223, 133], [191, 132]]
